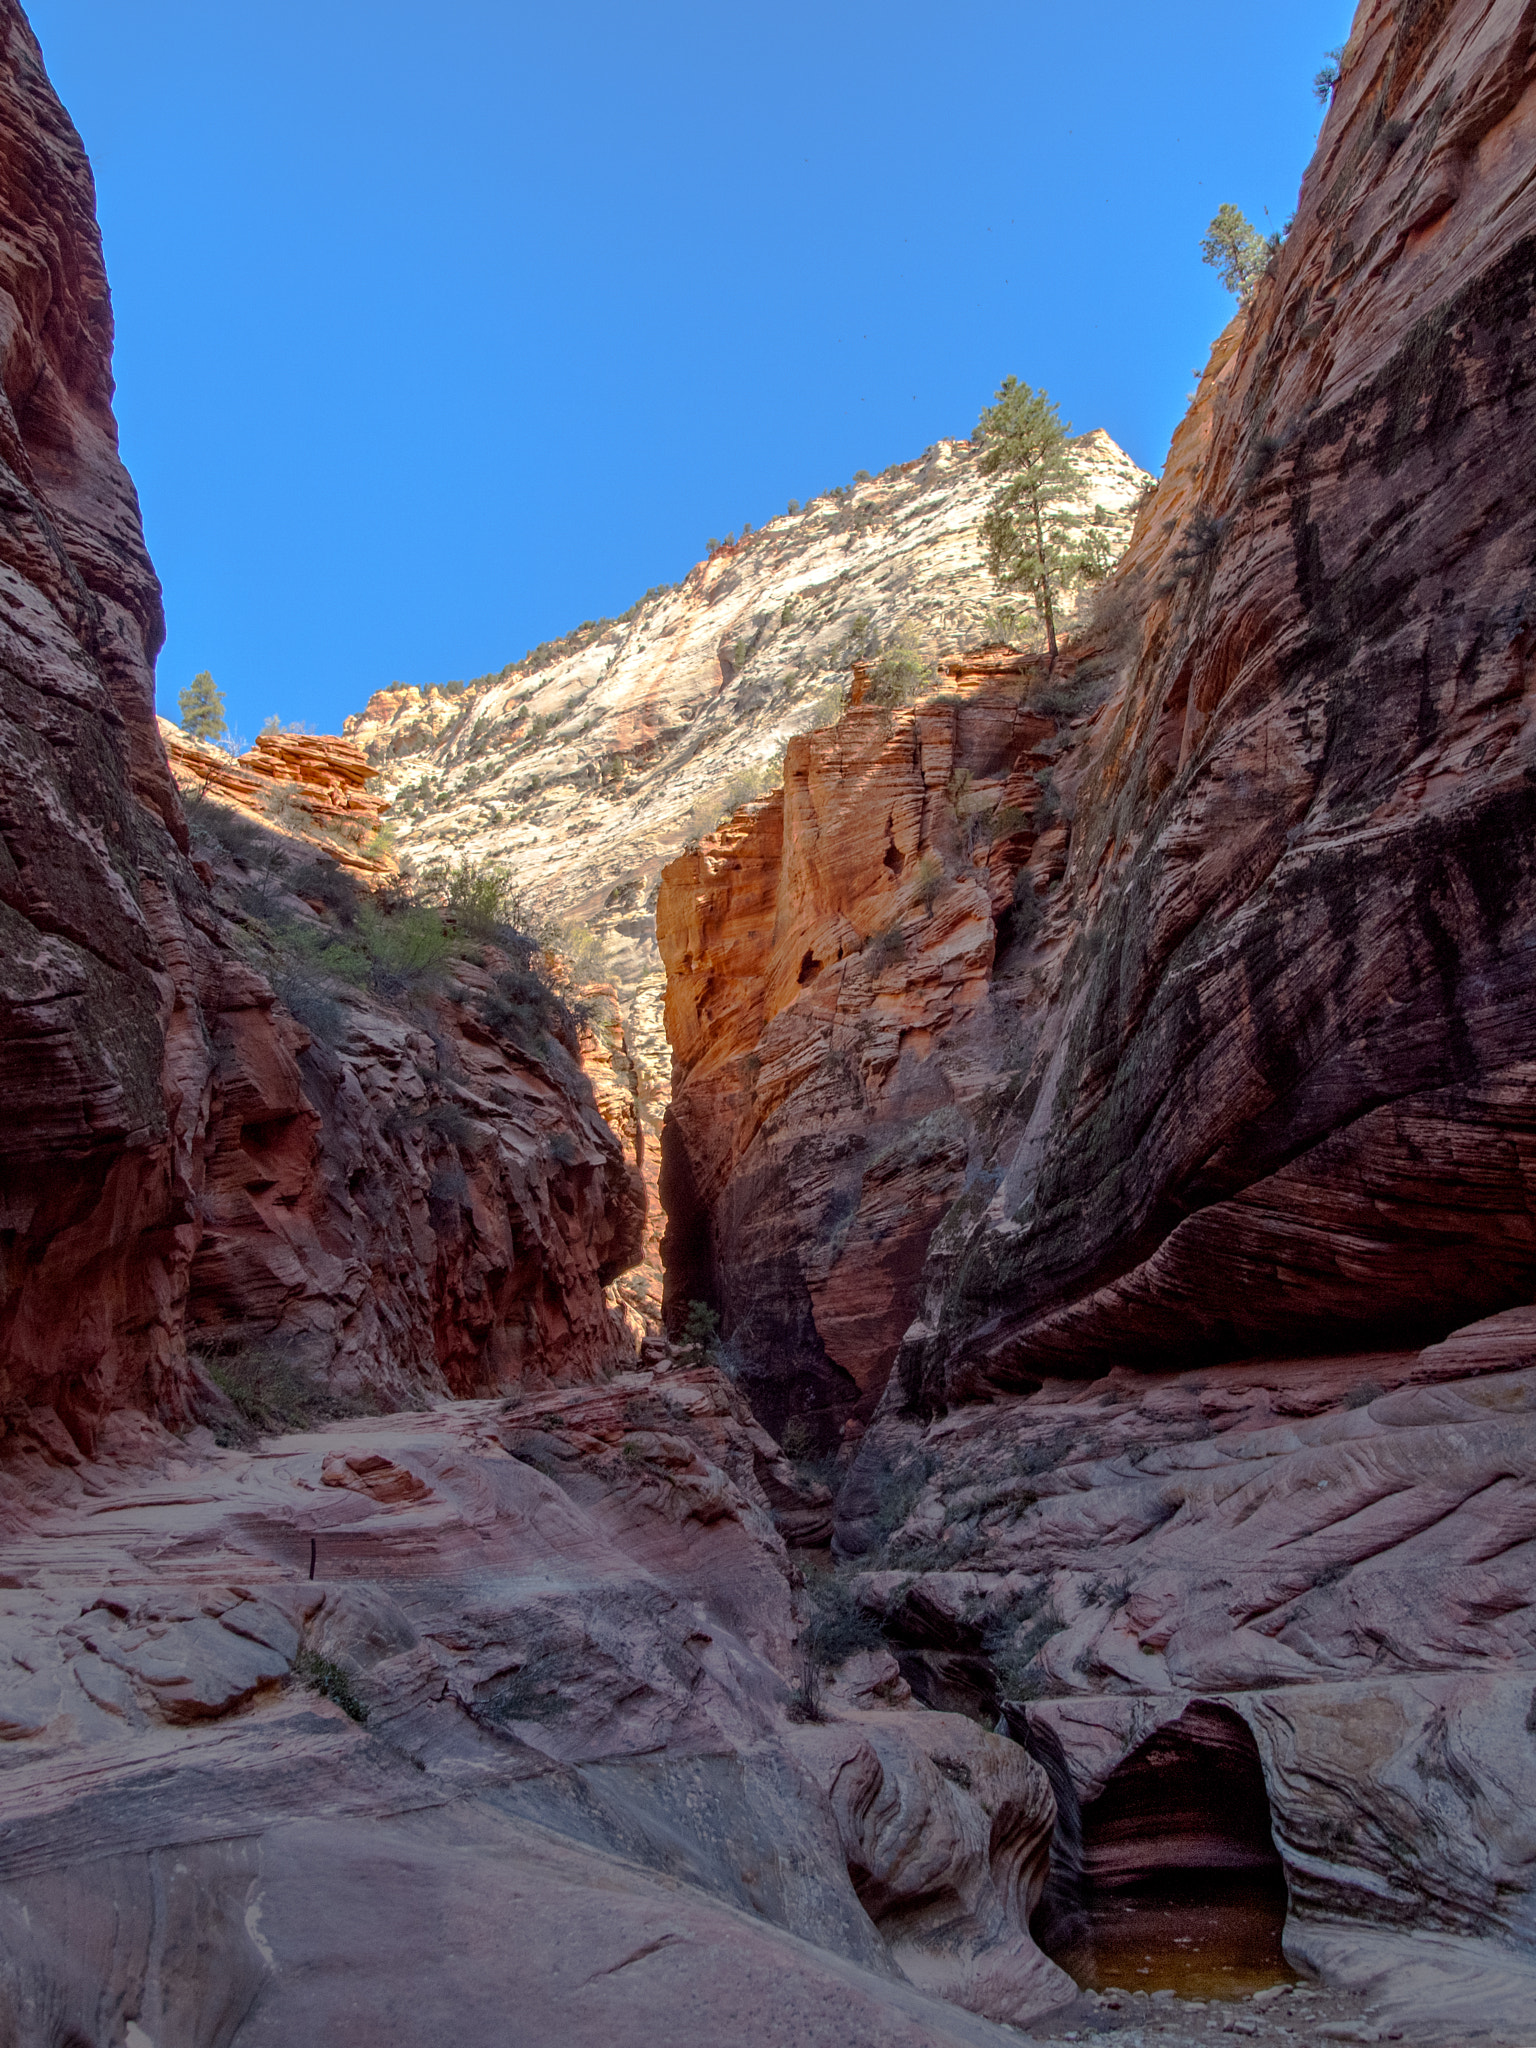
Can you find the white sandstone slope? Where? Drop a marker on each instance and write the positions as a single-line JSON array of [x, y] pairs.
[[589, 774]]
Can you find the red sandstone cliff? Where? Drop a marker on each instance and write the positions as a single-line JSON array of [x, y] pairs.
[[1250, 1070], [408, 1200], [1159, 1129]]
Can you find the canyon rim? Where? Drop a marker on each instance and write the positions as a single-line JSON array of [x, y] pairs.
[[975, 1365]]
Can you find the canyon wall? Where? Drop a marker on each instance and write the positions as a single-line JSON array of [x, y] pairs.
[[389, 1193], [591, 764], [1258, 1045], [1103, 1099]]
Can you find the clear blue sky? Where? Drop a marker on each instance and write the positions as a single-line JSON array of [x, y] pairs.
[[440, 329]]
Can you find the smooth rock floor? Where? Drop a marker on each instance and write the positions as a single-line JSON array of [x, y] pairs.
[[1281, 2017]]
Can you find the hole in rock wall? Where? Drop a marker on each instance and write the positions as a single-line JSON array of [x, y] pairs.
[[1181, 1886]]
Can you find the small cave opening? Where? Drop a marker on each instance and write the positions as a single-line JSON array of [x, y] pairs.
[[1172, 1881]]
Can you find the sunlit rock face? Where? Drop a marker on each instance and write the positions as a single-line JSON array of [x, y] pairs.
[[1183, 1105], [593, 766]]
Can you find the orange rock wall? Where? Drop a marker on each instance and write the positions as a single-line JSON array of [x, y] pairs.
[[1245, 1066]]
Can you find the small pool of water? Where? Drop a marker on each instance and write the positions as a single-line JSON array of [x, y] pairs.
[[1203, 1939]]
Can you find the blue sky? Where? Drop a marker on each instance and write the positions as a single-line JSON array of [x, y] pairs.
[[442, 329]]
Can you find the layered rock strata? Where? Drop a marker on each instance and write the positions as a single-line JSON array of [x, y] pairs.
[[292, 1741], [1140, 1180], [317, 786], [373, 1183]]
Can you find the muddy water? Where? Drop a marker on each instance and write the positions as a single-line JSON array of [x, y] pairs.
[[1204, 1938]]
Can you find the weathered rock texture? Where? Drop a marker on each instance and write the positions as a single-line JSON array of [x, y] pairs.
[[837, 1013], [568, 1802], [390, 1193], [590, 766], [315, 786], [1132, 1158], [1264, 1073]]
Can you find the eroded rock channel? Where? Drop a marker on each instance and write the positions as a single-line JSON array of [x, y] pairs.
[[1065, 1565]]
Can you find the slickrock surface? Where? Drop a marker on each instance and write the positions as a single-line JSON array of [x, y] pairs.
[[589, 774], [1103, 1100], [390, 1194], [573, 1806], [1338, 1551], [320, 784]]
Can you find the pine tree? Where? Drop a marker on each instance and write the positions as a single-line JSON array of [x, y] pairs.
[[201, 705], [1033, 543], [1236, 250]]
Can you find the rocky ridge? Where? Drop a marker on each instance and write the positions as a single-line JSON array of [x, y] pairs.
[[316, 788], [591, 769]]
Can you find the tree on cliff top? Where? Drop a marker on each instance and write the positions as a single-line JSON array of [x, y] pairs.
[[1237, 252], [1034, 544], [201, 705]]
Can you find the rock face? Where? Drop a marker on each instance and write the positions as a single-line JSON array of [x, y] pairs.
[[388, 1193], [592, 764], [1258, 1046], [834, 1007], [415, 1682], [320, 784], [1142, 1172]]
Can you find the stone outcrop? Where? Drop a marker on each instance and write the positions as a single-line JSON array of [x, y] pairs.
[[1136, 1178], [312, 785], [361, 1179]]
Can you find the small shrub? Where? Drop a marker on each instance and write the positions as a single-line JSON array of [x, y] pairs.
[[900, 1490], [884, 948], [805, 1701], [897, 677], [304, 999], [700, 1329], [928, 881], [797, 1440], [1019, 1675], [270, 1389], [1202, 538], [1005, 625], [324, 1676], [479, 897], [839, 1626], [562, 1146], [447, 1120], [1363, 1393], [447, 1191]]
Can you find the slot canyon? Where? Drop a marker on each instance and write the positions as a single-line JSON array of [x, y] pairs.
[[946, 1449]]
